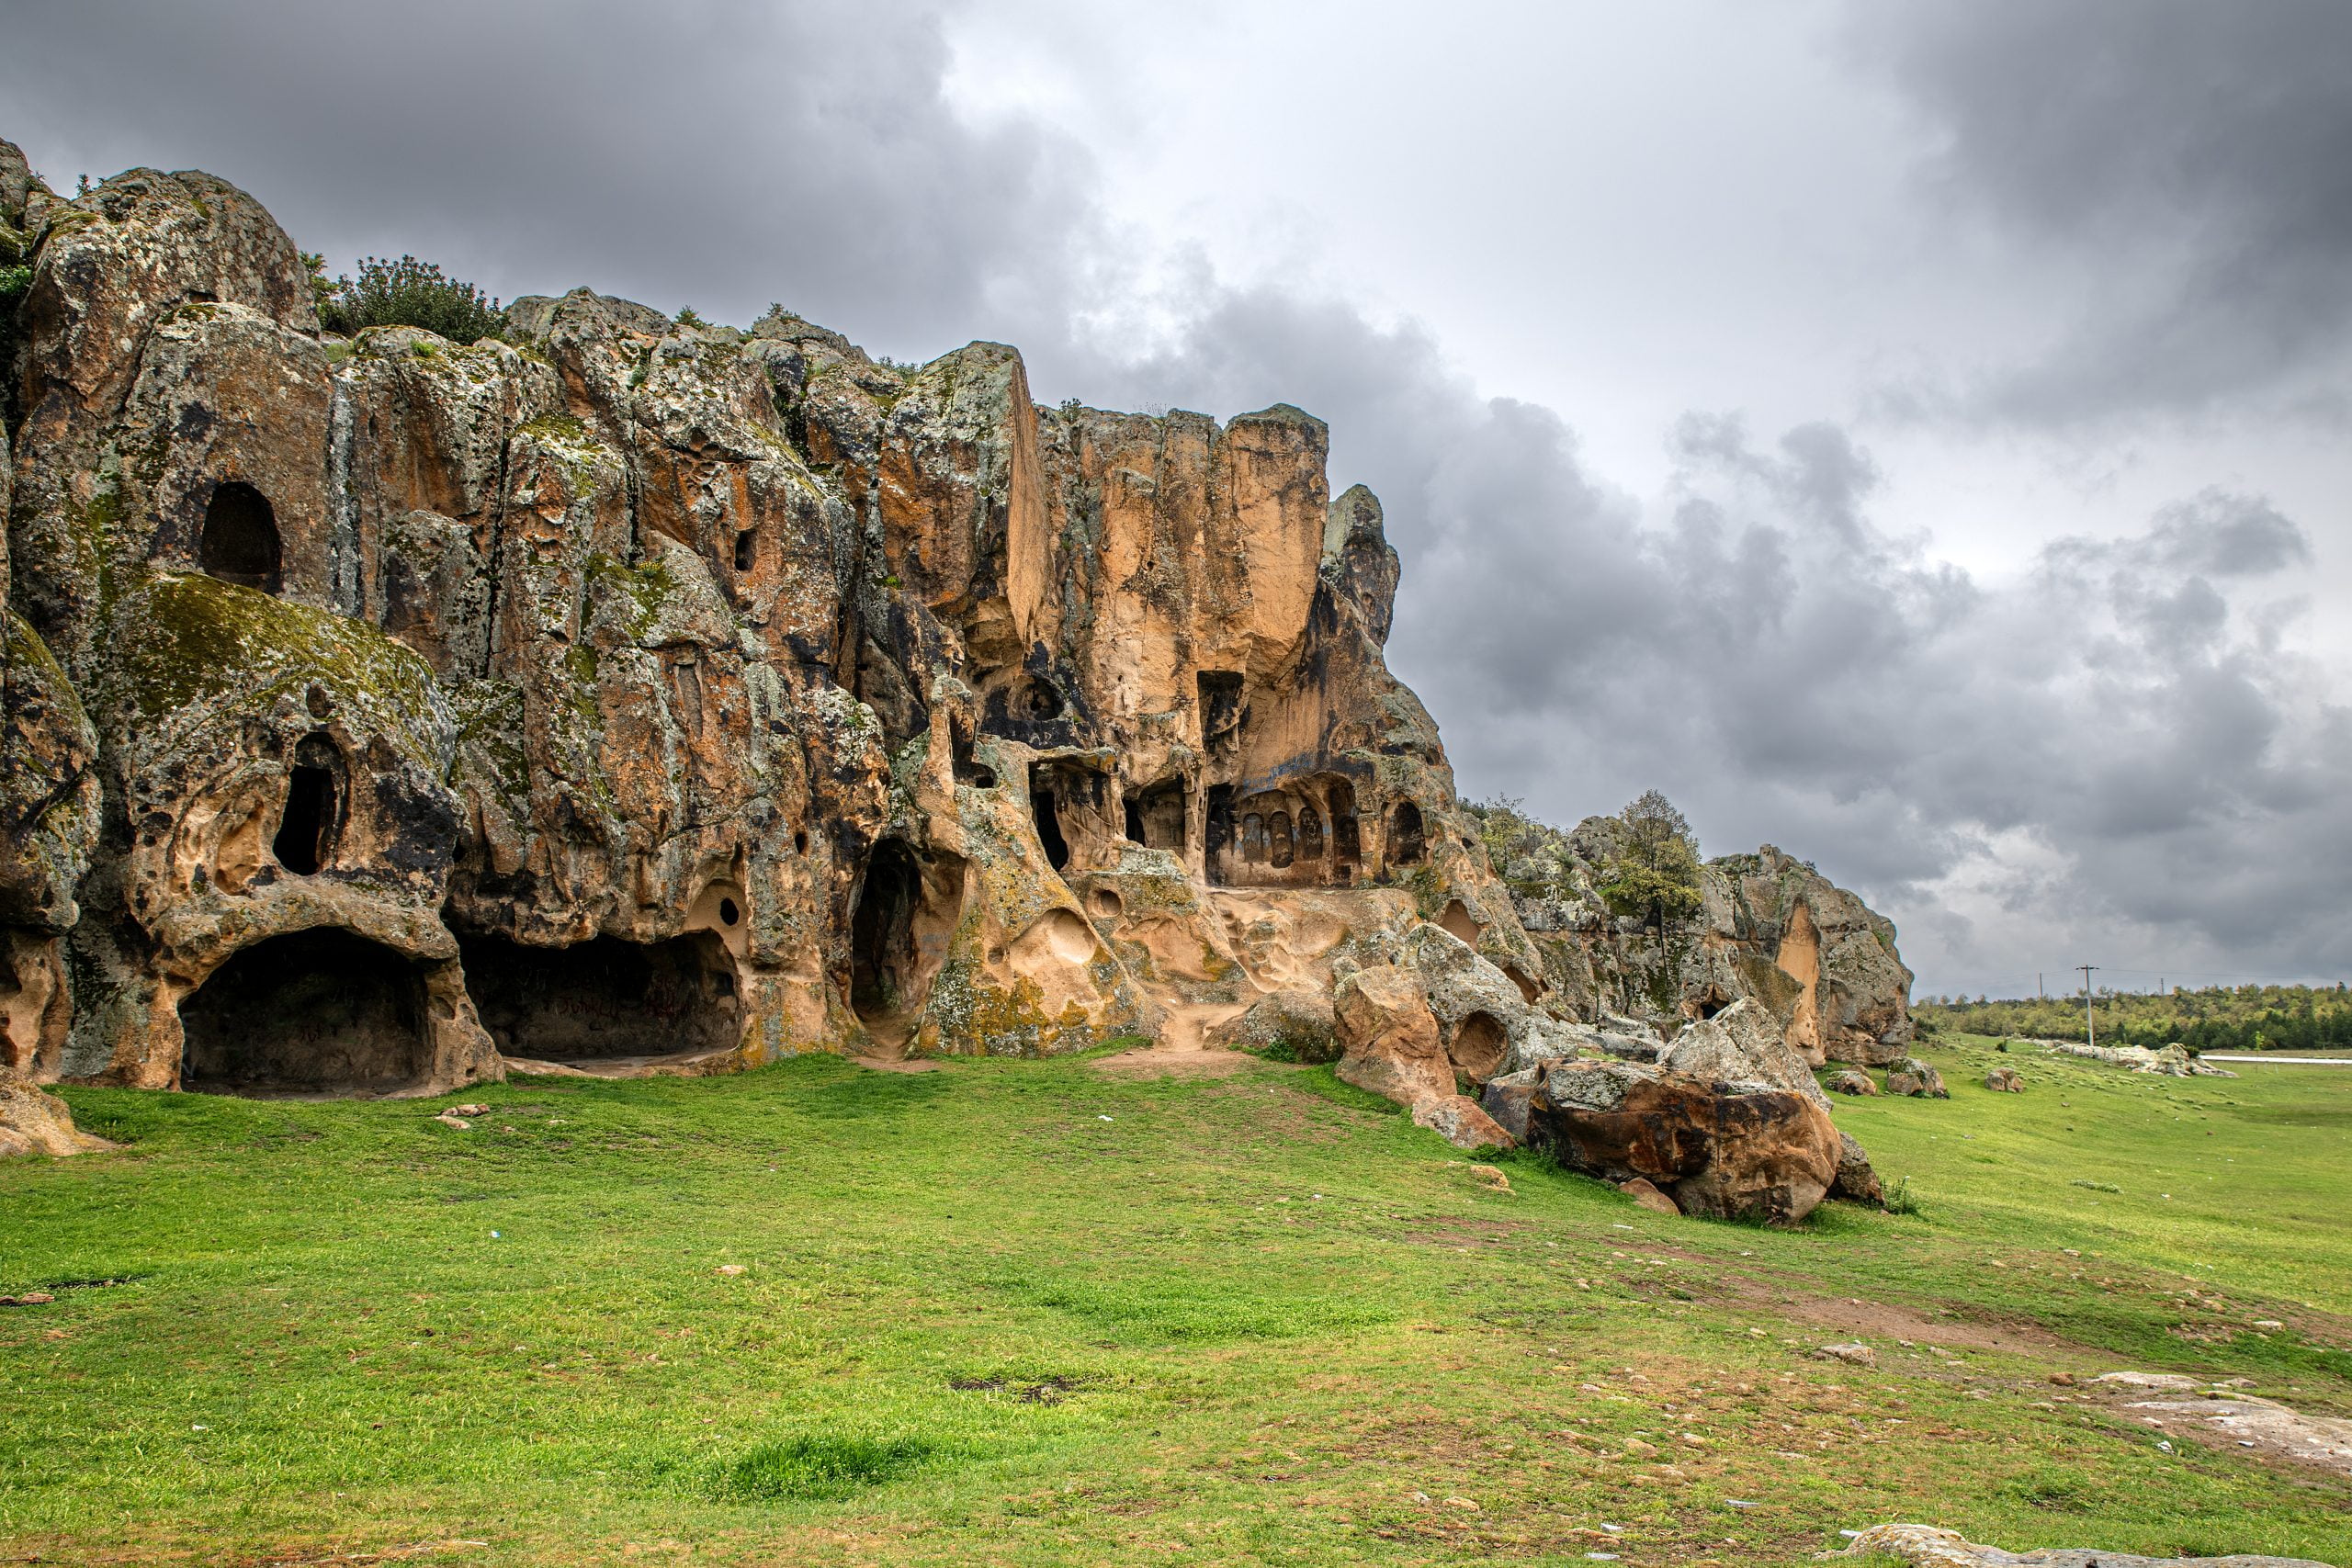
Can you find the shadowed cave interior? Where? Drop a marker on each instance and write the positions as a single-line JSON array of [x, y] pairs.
[[604, 998], [312, 1012]]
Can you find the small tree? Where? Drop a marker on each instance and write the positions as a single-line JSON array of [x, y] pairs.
[[406, 293], [1654, 872]]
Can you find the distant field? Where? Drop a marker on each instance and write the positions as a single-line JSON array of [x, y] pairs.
[[1030, 1313]]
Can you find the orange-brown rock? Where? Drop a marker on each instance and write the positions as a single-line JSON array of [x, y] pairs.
[[1771, 1154], [638, 692]]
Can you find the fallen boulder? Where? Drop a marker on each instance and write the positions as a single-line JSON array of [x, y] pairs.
[[1857, 1182], [1851, 1081], [1742, 1048], [1641, 1190], [2004, 1080], [1910, 1076], [1457, 1119], [2169, 1062], [1770, 1155]]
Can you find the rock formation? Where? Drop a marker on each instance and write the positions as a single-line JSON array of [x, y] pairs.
[[1772, 930], [383, 710]]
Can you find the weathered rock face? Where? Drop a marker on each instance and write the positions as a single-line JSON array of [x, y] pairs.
[[1771, 930], [650, 695], [378, 710], [1730, 1151]]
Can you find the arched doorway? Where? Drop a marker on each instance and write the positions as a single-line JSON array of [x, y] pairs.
[[1404, 837], [240, 539], [316, 1012], [312, 821], [882, 933]]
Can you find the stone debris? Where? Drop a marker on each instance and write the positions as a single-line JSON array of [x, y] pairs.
[[2004, 1080], [1925, 1546], [1849, 1081], [32, 1123], [1853, 1353], [1910, 1076], [2324, 1441], [2170, 1061]]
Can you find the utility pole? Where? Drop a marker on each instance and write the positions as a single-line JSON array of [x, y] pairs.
[[2090, 1019], [2038, 992]]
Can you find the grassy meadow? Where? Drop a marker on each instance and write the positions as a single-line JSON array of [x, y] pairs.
[[1040, 1313]]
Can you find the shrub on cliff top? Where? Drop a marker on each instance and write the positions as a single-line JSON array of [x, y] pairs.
[[405, 293]]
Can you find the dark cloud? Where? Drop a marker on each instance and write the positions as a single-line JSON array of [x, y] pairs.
[[2114, 744], [2197, 159], [703, 153]]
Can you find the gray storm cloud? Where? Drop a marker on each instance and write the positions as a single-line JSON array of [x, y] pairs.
[[2116, 737]]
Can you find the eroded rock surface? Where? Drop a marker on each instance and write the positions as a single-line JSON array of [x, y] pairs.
[[638, 695], [1927, 1546]]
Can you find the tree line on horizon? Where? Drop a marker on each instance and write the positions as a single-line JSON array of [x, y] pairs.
[[2216, 1017]]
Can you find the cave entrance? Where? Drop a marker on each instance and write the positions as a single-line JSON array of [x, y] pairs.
[[318, 1012], [1049, 820], [240, 539], [313, 819], [1478, 1046], [604, 999], [882, 976], [1347, 841], [1405, 834], [1156, 816]]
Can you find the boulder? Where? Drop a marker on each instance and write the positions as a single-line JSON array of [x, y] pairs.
[[2004, 1080], [1857, 1182], [1851, 1081], [1510, 1099], [1389, 1038], [1299, 1025], [1643, 1192], [1457, 1119], [1910, 1076], [1742, 1048], [1771, 1154]]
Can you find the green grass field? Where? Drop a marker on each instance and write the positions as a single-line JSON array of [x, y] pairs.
[[1030, 1313]]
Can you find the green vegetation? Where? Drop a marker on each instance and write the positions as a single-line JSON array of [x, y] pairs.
[[2220, 1017], [403, 293], [1033, 1312], [1654, 871]]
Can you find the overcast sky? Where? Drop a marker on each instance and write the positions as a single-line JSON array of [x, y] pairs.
[[1912, 434]]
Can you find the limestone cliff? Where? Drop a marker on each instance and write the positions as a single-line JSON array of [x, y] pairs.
[[383, 710], [380, 710]]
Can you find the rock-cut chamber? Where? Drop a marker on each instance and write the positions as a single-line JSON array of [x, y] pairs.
[[312, 1012], [605, 998]]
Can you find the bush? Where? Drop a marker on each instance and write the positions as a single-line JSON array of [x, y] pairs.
[[405, 293]]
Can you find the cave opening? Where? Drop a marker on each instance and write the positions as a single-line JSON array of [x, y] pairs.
[[240, 543], [308, 828], [1156, 816], [1049, 822], [882, 976], [1405, 834], [604, 998], [747, 544], [1347, 839], [315, 1011], [1479, 1047]]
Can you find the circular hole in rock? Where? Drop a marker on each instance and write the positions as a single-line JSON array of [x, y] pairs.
[[1107, 904], [728, 913]]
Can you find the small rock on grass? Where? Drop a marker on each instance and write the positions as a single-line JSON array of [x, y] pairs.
[[1641, 1190], [729, 1269], [30, 1299], [1489, 1176], [1852, 1351]]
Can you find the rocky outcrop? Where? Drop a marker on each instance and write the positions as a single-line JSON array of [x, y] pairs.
[[1772, 930], [635, 689], [2169, 1061], [633, 694], [1919, 1080], [1926, 1546]]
